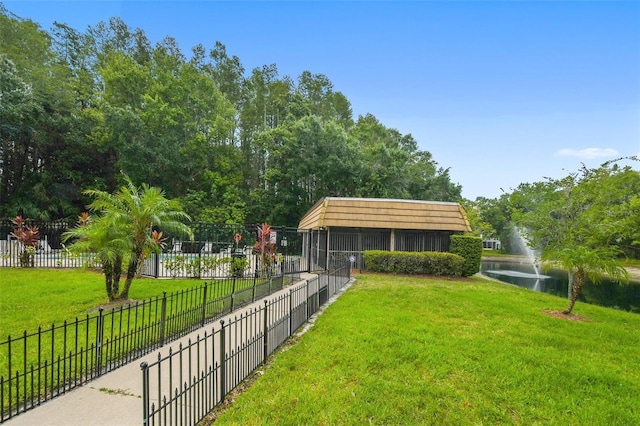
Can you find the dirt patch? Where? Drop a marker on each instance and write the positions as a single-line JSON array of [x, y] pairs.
[[116, 304], [568, 317]]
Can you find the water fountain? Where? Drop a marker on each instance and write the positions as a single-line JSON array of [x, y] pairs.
[[519, 242], [524, 271], [524, 247]]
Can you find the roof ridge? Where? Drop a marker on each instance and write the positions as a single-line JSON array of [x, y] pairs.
[[395, 200]]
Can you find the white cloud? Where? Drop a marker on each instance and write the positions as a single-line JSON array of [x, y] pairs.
[[588, 153]]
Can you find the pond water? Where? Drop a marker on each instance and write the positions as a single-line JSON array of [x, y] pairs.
[[606, 293]]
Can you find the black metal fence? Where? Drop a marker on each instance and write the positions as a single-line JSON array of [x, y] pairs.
[[225, 263], [44, 364], [184, 386], [213, 253]]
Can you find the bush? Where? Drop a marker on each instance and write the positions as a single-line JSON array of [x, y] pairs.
[[239, 266], [425, 262], [470, 248]]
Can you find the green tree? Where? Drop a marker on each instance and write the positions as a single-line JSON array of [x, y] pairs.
[[496, 214], [585, 263], [384, 159], [479, 227], [18, 115], [107, 242], [571, 221], [81, 106], [308, 159], [47, 158], [427, 181], [228, 75], [124, 229], [76, 51], [394, 167]]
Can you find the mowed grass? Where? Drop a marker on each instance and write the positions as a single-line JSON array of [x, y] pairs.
[[409, 351], [30, 298]]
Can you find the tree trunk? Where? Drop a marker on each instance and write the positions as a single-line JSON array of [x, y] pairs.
[[578, 282], [570, 286], [131, 273], [108, 285], [112, 271], [107, 270], [117, 273]]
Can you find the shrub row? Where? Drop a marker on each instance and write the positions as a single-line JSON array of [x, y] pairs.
[[402, 262]]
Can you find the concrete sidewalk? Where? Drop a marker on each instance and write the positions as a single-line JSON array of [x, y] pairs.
[[116, 397]]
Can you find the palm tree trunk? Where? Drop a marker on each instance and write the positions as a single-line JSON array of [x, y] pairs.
[[108, 281], [131, 274], [107, 269], [117, 273], [578, 282], [570, 285]]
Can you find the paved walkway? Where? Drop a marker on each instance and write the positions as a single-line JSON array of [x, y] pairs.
[[113, 399]]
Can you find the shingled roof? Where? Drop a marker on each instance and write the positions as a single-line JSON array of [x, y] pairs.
[[385, 213]]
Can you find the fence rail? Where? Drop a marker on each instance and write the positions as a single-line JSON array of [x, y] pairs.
[[212, 254], [47, 363], [182, 387]]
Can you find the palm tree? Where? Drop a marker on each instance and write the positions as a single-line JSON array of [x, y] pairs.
[[124, 228], [109, 244], [585, 263]]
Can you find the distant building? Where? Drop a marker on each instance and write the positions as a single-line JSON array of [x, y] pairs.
[[491, 244], [343, 228]]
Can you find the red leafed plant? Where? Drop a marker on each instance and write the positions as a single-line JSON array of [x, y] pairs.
[[83, 219], [29, 236], [265, 249], [158, 239]]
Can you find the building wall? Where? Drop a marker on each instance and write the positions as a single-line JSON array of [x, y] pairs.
[[422, 240], [344, 243]]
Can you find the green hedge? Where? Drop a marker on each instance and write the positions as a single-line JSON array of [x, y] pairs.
[[470, 248], [402, 262]]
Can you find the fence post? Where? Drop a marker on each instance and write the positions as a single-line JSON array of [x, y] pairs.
[[290, 312], [9, 387], [233, 293], [145, 392], [223, 368], [99, 338], [163, 318], [306, 298], [204, 305], [266, 332], [156, 258], [309, 247], [255, 274]]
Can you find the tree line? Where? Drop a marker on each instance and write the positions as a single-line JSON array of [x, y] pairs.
[[80, 109], [585, 222], [597, 207]]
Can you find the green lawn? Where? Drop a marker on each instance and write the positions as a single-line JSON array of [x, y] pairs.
[[38, 297], [495, 253], [33, 298], [407, 351]]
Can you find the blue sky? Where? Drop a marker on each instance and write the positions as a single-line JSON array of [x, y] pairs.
[[499, 92]]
